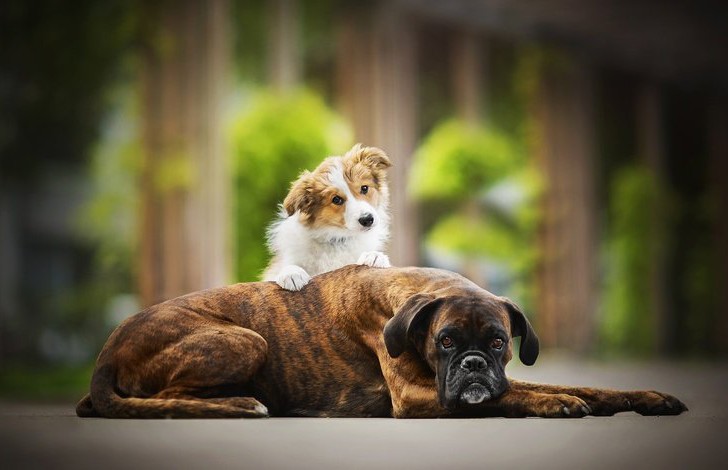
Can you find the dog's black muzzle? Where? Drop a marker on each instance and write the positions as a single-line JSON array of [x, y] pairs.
[[471, 378]]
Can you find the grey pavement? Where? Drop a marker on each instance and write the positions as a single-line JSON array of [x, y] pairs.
[[51, 436]]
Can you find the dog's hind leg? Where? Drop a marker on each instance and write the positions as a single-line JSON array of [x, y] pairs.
[[247, 407], [85, 408], [200, 371]]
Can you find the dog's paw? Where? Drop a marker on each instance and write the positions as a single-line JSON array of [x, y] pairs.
[[375, 259], [655, 403], [560, 406], [292, 278]]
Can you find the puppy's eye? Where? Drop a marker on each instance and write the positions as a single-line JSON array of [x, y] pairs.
[[337, 200], [446, 342], [497, 344], [364, 189]]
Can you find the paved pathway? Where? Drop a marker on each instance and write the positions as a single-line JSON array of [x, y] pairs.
[[50, 436]]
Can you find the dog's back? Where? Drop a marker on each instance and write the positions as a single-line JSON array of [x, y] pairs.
[[243, 340]]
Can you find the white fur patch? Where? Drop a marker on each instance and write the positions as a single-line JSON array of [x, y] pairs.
[[261, 409], [375, 259], [475, 394], [292, 278]]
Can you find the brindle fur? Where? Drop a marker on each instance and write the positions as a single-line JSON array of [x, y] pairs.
[[319, 352]]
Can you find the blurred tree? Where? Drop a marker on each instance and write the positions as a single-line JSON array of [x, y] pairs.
[[562, 131], [271, 143], [377, 79], [464, 165], [56, 60], [629, 317], [308, 24], [284, 58], [184, 179]]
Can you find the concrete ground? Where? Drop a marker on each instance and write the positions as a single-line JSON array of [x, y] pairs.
[[51, 436]]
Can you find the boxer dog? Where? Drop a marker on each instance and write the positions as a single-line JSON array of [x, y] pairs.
[[358, 342]]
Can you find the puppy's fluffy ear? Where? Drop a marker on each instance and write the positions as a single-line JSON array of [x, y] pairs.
[[414, 315], [520, 326], [300, 197], [372, 157]]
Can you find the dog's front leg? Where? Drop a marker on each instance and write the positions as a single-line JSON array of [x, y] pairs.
[[412, 400], [411, 386], [520, 403], [604, 402]]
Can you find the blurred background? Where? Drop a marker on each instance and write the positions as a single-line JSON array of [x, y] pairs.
[[571, 155]]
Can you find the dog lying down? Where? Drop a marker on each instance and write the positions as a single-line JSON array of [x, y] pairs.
[[358, 341]]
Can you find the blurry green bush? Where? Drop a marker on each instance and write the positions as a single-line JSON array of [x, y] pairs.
[[108, 222], [638, 214], [271, 143], [487, 193]]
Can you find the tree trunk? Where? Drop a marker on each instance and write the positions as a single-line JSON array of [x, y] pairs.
[[284, 58], [467, 85], [718, 153], [564, 118], [651, 150], [376, 68], [467, 73], [184, 184]]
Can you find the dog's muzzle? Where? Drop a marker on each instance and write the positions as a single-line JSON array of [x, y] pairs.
[[476, 392], [471, 380]]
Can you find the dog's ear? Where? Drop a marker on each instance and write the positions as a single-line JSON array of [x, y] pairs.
[[300, 197], [409, 319], [372, 157], [520, 326]]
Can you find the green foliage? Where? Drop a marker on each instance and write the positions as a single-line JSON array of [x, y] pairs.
[[109, 219], [457, 161], [249, 38], [271, 144], [637, 213], [491, 191], [473, 237], [108, 223], [58, 383], [57, 58]]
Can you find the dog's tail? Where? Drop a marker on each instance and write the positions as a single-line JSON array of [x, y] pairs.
[[104, 401]]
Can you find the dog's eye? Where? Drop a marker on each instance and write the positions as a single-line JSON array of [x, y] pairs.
[[497, 344], [364, 189], [446, 342], [337, 200]]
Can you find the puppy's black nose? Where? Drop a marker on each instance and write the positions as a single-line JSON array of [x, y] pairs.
[[366, 220], [473, 363]]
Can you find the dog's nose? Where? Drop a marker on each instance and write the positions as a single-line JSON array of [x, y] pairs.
[[366, 220], [473, 363]]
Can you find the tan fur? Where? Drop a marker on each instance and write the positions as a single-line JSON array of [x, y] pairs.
[[312, 193]]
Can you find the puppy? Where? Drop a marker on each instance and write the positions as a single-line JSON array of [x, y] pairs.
[[333, 216]]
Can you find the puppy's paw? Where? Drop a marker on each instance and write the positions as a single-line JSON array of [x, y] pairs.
[[375, 259], [292, 278]]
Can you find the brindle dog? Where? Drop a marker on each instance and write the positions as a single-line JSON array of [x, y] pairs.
[[358, 341]]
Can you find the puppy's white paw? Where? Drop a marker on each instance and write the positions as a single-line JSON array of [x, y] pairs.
[[375, 259], [292, 278]]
